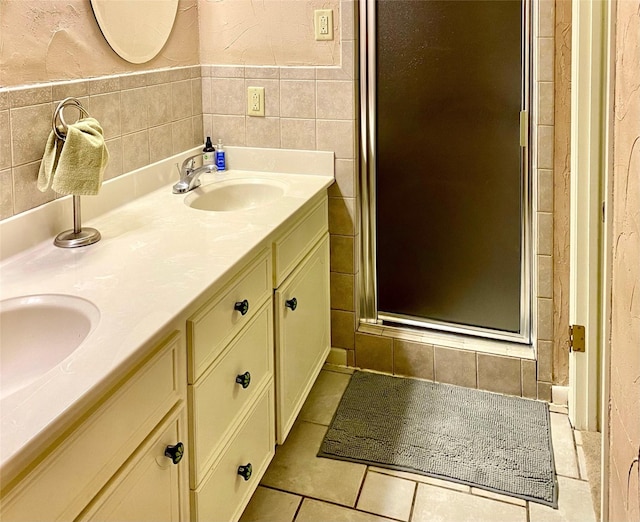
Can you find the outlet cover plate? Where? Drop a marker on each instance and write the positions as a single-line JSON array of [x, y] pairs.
[[323, 24], [255, 101]]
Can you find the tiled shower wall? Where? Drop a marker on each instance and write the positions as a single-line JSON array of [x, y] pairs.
[[543, 106], [145, 116], [405, 352]]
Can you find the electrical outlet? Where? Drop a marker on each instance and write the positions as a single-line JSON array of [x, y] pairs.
[[323, 23], [255, 101]]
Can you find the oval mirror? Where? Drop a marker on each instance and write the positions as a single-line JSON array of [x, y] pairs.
[[136, 29]]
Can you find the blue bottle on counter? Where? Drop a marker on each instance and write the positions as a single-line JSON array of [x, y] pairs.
[[221, 157]]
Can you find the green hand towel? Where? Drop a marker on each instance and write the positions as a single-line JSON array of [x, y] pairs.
[[76, 165], [49, 162]]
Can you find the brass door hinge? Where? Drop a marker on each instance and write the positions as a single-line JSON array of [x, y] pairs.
[[576, 338]]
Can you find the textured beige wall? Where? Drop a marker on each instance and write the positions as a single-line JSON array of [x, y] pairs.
[[47, 40], [561, 191], [625, 314], [269, 32]]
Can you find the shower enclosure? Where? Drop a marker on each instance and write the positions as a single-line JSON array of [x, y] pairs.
[[445, 187]]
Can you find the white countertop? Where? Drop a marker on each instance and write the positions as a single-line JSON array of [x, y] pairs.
[[155, 258]]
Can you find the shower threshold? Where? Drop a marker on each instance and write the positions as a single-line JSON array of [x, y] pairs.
[[447, 339]]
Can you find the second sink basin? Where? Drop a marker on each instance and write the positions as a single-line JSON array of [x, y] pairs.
[[235, 194], [38, 332]]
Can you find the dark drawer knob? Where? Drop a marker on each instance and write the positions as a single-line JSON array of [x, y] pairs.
[[242, 306], [291, 303], [245, 471], [175, 453], [244, 379]]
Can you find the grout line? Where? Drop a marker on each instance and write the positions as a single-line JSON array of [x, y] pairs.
[[295, 515], [274, 488], [386, 517], [364, 478], [575, 453], [498, 499], [580, 475], [315, 423], [413, 501], [381, 471], [570, 477], [326, 501], [331, 370]]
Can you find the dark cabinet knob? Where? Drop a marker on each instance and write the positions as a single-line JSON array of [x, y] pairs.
[[245, 471], [291, 303], [244, 379], [175, 453], [242, 306]]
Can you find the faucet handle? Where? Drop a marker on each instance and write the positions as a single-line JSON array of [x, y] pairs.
[[189, 164]]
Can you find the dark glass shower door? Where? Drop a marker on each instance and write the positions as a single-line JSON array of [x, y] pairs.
[[449, 168]]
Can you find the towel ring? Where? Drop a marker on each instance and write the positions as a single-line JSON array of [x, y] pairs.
[[78, 236], [61, 131]]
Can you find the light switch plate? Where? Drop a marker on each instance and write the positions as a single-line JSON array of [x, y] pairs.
[[323, 24], [255, 101]]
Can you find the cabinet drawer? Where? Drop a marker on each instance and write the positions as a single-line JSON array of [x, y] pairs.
[[76, 470], [217, 400], [150, 486], [214, 325], [293, 245], [224, 493]]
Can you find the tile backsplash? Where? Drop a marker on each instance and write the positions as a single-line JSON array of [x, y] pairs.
[[303, 110], [146, 117], [149, 116]]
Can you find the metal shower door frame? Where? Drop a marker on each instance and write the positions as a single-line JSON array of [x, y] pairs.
[[368, 312]]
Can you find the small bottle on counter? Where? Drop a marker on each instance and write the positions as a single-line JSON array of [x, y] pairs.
[[221, 157], [208, 152]]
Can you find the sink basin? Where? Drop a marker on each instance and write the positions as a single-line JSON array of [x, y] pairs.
[[38, 332], [235, 194]]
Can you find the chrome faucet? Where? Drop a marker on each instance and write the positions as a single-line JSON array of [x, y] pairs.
[[190, 176]]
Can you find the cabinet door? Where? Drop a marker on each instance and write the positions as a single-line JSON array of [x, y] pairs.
[[303, 334], [81, 466], [151, 486]]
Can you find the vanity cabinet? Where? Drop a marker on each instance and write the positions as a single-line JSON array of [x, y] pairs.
[[231, 395], [243, 394], [150, 487], [190, 429], [302, 312], [118, 444]]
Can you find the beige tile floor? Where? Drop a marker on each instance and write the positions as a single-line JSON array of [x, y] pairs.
[[301, 487]]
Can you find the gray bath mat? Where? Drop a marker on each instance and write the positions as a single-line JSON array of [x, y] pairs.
[[496, 442]]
